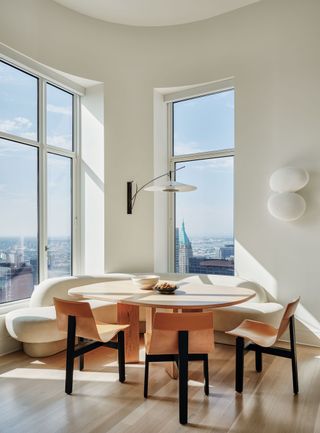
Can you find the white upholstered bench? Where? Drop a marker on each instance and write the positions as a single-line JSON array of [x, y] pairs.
[[35, 326]]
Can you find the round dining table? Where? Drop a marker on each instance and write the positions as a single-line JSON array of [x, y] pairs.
[[187, 297]]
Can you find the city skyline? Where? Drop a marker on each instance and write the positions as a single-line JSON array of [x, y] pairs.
[[19, 264], [206, 256]]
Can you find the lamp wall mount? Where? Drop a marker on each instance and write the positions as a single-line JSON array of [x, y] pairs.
[[168, 186]]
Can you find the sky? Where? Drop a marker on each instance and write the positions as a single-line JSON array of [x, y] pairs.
[[201, 125], [19, 163]]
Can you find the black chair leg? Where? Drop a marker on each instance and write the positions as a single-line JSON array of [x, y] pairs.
[[258, 360], [121, 357], [206, 375], [146, 377], [183, 377], [295, 380], [81, 357], [70, 354], [239, 363]]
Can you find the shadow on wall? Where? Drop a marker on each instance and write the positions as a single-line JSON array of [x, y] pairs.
[[308, 329], [93, 176], [252, 270], [92, 181]]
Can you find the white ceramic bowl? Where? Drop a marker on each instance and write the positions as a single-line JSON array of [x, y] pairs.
[[145, 281]]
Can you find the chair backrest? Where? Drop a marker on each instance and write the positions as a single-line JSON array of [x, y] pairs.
[[164, 337], [288, 313], [183, 321], [85, 323]]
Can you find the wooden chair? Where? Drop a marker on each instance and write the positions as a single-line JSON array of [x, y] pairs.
[[76, 318], [180, 337], [263, 337]]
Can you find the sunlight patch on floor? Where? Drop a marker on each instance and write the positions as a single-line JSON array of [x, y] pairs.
[[128, 366], [53, 374], [195, 383]]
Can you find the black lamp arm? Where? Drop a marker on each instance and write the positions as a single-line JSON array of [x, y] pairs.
[[132, 198]]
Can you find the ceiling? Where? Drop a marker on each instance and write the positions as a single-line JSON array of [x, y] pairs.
[[153, 12]]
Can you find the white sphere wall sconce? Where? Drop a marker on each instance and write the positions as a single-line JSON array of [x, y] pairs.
[[286, 204], [289, 179]]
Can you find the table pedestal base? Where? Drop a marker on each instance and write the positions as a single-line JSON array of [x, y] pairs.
[[129, 314]]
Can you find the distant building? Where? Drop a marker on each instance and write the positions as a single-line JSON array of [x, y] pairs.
[[22, 282], [34, 267], [185, 250], [226, 251], [201, 265], [177, 248], [15, 282], [5, 276], [186, 262]]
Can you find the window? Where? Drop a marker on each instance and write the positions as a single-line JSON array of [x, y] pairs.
[[59, 118], [203, 142], [37, 164], [18, 102], [59, 215], [18, 220]]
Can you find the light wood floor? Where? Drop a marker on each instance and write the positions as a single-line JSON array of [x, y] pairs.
[[32, 396]]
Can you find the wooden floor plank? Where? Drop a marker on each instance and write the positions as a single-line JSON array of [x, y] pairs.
[[32, 396]]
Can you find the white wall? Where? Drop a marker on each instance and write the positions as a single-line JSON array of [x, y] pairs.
[[271, 49], [92, 188]]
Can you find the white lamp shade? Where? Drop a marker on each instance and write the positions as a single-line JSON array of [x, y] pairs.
[[287, 206], [289, 179], [171, 186]]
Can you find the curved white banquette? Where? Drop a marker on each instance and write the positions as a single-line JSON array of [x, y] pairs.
[[35, 326]]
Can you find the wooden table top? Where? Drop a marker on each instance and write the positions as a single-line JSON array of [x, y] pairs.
[[188, 295]]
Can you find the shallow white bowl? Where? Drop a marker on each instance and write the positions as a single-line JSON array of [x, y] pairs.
[[145, 281]]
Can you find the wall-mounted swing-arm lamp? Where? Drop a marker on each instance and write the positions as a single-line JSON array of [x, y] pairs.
[[169, 186]]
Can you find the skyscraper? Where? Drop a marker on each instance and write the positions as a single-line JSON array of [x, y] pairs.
[[185, 250], [177, 248]]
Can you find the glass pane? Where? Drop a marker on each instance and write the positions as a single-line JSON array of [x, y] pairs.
[[59, 216], [59, 118], [18, 102], [204, 124], [204, 218], [18, 220]]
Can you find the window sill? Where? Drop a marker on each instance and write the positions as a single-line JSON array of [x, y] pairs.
[[14, 305]]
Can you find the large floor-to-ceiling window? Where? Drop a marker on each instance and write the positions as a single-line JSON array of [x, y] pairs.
[[202, 141], [38, 147]]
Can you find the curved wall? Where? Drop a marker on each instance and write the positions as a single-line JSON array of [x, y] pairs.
[[271, 50]]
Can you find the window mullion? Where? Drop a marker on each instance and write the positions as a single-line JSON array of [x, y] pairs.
[[76, 182], [171, 197], [59, 151], [203, 155], [43, 256], [18, 139]]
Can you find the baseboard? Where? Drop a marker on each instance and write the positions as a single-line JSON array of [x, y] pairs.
[[304, 335], [7, 343]]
